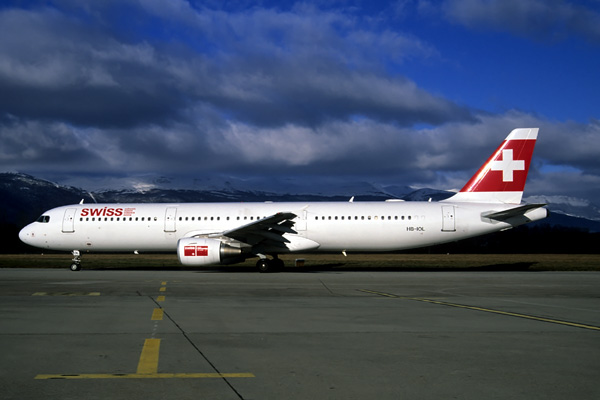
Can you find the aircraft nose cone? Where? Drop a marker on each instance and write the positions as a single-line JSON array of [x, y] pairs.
[[25, 234]]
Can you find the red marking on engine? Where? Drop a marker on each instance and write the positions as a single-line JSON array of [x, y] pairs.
[[195, 251]]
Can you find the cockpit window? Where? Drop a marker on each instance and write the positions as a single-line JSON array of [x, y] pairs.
[[44, 219]]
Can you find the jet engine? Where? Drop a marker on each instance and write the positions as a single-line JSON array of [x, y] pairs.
[[202, 251]]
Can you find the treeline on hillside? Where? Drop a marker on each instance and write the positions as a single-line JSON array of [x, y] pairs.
[[539, 239], [525, 239]]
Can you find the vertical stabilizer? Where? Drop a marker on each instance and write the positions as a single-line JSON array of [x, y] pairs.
[[501, 179]]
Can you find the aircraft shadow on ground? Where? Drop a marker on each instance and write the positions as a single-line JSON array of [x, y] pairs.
[[330, 267], [342, 267], [518, 266]]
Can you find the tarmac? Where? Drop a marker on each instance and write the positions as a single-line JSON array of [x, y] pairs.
[[216, 334]]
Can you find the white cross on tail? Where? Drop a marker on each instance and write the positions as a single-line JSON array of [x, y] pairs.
[[507, 165]]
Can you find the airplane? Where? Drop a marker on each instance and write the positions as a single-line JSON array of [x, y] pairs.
[[206, 234]]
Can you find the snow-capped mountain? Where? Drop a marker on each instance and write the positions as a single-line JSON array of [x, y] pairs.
[[229, 184], [570, 206]]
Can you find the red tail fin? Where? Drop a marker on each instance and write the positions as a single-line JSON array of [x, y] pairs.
[[502, 178]]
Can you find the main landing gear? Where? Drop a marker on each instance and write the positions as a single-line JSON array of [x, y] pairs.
[[266, 265], [76, 262]]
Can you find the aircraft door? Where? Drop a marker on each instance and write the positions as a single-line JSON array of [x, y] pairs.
[[300, 222], [170, 216], [68, 225], [448, 220]]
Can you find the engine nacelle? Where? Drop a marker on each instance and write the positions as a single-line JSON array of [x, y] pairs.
[[202, 251]]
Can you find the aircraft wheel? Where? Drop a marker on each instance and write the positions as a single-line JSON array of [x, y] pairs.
[[263, 265], [75, 267]]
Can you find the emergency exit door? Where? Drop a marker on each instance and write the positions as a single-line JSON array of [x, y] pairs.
[[170, 216], [448, 219]]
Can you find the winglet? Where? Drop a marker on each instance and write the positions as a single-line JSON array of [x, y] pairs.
[[501, 179]]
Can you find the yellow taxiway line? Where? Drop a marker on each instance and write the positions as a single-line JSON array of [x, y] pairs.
[[149, 359], [148, 369], [146, 376], [157, 314], [148, 363], [489, 310]]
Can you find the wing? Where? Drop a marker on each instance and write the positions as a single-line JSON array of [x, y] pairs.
[[267, 231], [263, 235], [266, 235]]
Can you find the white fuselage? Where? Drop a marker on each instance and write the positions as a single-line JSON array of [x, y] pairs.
[[334, 226]]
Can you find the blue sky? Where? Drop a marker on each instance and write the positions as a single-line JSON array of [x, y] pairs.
[[412, 92]]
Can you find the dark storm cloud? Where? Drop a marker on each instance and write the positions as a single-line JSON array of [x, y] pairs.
[[539, 19], [56, 68], [311, 98], [35, 145], [255, 76]]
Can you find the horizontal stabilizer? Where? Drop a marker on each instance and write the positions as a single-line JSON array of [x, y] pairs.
[[512, 212]]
